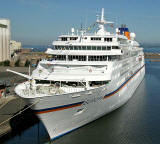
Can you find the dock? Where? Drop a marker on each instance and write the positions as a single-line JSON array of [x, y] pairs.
[[10, 104], [8, 107]]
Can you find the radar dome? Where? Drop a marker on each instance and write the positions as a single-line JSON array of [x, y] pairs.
[[132, 36]]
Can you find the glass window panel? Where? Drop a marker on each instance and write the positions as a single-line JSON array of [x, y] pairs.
[[71, 47], [66, 47], [83, 47], [98, 48], [108, 47], [62, 47], [75, 47], [103, 48], [88, 47], [93, 47]]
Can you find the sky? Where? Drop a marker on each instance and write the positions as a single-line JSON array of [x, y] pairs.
[[39, 22]]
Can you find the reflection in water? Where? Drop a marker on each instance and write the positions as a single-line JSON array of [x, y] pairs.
[[137, 122]]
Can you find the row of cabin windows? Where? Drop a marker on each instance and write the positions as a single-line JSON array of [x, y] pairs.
[[71, 84], [84, 58], [92, 39], [86, 47], [68, 38]]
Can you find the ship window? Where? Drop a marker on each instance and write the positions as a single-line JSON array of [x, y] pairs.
[[103, 48], [64, 38], [97, 83], [75, 47], [97, 58], [62, 47], [83, 47], [108, 47], [66, 47], [88, 47], [59, 47], [108, 39], [73, 38], [115, 47], [76, 57], [79, 47], [96, 38], [61, 57], [113, 57], [42, 82], [71, 47], [93, 47], [98, 48]]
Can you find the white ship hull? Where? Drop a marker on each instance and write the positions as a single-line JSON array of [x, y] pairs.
[[63, 113]]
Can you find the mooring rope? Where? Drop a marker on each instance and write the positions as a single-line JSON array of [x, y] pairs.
[[20, 112]]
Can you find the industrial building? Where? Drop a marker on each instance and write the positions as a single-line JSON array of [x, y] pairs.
[[14, 46], [4, 39]]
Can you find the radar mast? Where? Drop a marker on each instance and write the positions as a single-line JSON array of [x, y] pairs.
[[101, 23]]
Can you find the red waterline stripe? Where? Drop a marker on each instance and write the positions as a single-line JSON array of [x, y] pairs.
[[58, 109]]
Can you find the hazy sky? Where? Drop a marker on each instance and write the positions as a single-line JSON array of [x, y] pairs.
[[38, 22]]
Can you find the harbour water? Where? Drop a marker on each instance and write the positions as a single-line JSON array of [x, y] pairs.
[[136, 122]]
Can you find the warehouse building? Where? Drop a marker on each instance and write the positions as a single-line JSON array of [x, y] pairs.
[[4, 39]]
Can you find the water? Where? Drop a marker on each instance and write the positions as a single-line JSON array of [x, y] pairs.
[[137, 122], [152, 49]]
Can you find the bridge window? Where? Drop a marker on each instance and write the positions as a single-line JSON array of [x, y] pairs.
[[64, 38], [96, 38], [73, 38]]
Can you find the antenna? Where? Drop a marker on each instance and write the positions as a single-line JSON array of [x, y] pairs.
[[102, 15]]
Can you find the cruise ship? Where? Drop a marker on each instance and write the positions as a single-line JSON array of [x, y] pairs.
[[85, 76]]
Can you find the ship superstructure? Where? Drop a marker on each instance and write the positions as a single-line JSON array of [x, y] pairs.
[[85, 77]]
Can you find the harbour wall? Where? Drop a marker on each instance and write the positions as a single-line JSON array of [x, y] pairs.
[[11, 104]]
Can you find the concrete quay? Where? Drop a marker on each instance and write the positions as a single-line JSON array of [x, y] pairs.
[[8, 107], [10, 104]]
